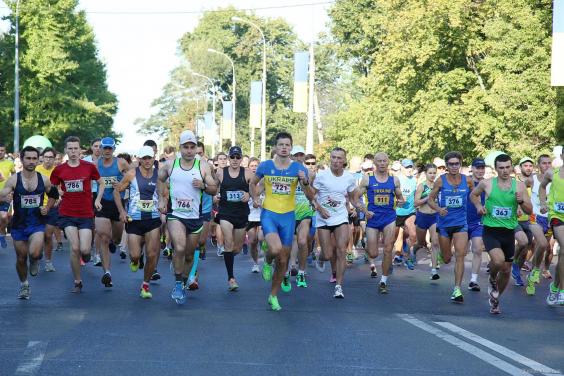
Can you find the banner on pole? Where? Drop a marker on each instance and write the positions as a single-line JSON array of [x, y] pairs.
[[200, 127], [557, 74], [209, 134], [227, 119], [301, 60], [256, 104]]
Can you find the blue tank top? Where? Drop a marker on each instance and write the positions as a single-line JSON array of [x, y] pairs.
[[381, 196], [455, 200], [26, 204], [143, 198], [471, 213], [110, 175], [408, 187], [207, 203]]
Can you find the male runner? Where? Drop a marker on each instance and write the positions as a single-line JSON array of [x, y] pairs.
[[7, 168], [75, 217], [28, 228], [207, 206], [233, 210], [503, 195], [406, 213], [52, 217], [383, 192], [475, 227], [555, 210], [93, 158], [254, 231], [108, 226], [187, 179], [281, 176], [142, 218], [452, 223]]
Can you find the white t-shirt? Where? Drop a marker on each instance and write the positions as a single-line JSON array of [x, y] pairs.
[[332, 195]]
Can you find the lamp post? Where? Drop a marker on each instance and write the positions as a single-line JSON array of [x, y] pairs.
[[17, 83], [233, 85], [263, 116], [214, 91]]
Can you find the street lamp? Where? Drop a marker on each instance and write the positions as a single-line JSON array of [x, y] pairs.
[[263, 122], [214, 91], [233, 84], [17, 83]]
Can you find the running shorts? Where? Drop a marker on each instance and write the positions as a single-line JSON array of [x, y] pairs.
[[24, 233], [475, 230], [502, 238], [142, 227], [448, 232], [193, 225], [425, 221], [278, 223], [109, 210], [79, 223]]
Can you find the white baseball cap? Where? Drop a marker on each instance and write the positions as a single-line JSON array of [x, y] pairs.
[[298, 149], [188, 136], [146, 151]]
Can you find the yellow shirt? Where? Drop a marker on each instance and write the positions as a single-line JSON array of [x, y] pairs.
[[6, 169], [43, 171]]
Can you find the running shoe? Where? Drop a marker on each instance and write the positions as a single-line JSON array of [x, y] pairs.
[[25, 292], [473, 286], [255, 268], [286, 285], [59, 247], [170, 253], [527, 266], [82, 263], [156, 276], [133, 266], [535, 275], [456, 296], [398, 260], [3, 242], [178, 294], [301, 280], [492, 288], [49, 267], [293, 271], [273, 302], [213, 241], [338, 294], [166, 252], [145, 293], [193, 284], [107, 279], [561, 298], [220, 251], [373, 272], [333, 278], [112, 247], [97, 260], [409, 263], [516, 274], [267, 271], [383, 288], [33, 267], [494, 306], [320, 265], [77, 287], [122, 253], [350, 258], [233, 286], [435, 276], [530, 289], [546, 274], [552, 298]]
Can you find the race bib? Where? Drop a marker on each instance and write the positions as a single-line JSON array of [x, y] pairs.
[[74, 186], [235, 196], [109, 181], [559, 207], [454, 202], [502, 212], [280, 188], [184, 205], [381, 200], [331, 204], [30, 201], [145, 205]]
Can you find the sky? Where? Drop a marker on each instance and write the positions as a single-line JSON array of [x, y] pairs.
[[137, 40]]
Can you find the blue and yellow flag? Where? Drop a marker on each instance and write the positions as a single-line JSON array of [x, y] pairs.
[[301, 60]]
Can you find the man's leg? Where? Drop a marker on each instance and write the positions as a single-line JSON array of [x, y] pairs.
[[303, 244], [152, 246], [559, 275], [104, 231], [135, 244], [477, 246], [71, 233], [253, 243], [48, 248], [460, 240], [342, 235], [228, 241], [22, 253], [4, 220], [177, 232]]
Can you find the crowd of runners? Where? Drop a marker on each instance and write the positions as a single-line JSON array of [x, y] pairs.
[[289, 213]]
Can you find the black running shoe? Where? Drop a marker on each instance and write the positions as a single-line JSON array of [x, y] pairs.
[[107, 280], [112, 247]]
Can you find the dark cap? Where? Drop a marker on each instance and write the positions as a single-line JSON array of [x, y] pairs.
[[235, 150], [478, 162]]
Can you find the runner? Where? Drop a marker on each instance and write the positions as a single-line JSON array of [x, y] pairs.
[[452, 223], [108, 225], [52, 217], [475, 227], [555, 210], [426, 218], [539, 225], [233, 210], [405, 218], [28, 221], [7, 168], [254, 231], [93, 158], [142, 218], [281, 176], [332, 187], [503, 195], [383, 193], [186, 179], [75, 218]]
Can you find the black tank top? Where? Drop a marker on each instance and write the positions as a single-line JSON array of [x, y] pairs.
[[27, 204], [231, 192]]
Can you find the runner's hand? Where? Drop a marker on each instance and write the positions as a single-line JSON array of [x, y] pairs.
[[400, 203], [123, 217], [369, 214], [98, 205], [43, 210], [197, 183], [257, 203], [482, 211], [245, 197], [162, 206], [543, 209], [324, 213], [443, 212], [301, 176]]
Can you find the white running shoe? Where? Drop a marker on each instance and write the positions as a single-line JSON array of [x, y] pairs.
[[255, 268], [338, 292], [49, 267]]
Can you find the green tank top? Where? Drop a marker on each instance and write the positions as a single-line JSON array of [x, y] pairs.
[[556, 197], [501, 207]]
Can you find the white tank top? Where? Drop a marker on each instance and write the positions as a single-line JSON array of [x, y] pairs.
[[185, 200], [535, 196], [254, 213]]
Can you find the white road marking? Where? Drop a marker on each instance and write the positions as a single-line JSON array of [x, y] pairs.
[[32, 358], [470, 349], [531, 364]]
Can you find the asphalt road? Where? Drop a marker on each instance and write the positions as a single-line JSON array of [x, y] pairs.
[[415, 330]]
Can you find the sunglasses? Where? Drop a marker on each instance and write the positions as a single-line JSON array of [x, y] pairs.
[[310, 163], [235, 157]]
